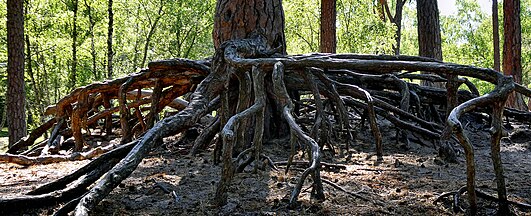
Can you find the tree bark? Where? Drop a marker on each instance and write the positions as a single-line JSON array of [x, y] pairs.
[[429, 32], [109, 41], [512, 49], [16, 93], [496, 35], [328, 26], [237, 19]]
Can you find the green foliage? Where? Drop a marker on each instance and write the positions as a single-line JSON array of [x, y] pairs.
[[467, 39], [359, 28], [302, 25]]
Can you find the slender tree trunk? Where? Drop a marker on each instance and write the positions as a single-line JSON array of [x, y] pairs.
[[429, 32], [109, 41], [152, 32], [92, 23], [496, 35], [137, 42], [73, 75], [512, 49], [38, 98], [397, 20], [328, 26], [16, 93]]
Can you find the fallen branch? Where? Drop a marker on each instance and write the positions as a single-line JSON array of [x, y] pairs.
[[28, 161]]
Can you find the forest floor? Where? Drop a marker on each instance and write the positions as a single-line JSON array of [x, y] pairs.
[[406, 183]]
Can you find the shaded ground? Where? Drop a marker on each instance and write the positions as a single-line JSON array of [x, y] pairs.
[[407, 182]]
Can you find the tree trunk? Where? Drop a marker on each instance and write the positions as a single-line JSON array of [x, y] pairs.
[[512, 49], [151, 32], [109, 41], [429, 32], [496, 35], [73, 69], [92, 23], [237, 19], [397, 20], [242, 19], [29, 67], [16, 94], [328, 26]]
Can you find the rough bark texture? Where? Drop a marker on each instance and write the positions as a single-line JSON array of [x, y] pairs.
[[16, 94], [237, 19], [328, 26], [512, 49], [496, 35], [429, 32]]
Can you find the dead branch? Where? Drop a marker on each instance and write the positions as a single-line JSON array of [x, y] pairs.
[[28, 161]]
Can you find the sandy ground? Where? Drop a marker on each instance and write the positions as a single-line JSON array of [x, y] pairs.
[[406, 183]]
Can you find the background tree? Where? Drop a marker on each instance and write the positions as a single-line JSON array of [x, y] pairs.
[[396, 20], [429, 32], [153, 21], [512, 49], [109, 40], [496, 35], [16, 95], [73, 64], [328, 26]]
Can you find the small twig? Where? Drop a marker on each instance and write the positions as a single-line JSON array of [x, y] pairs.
[[303, 163], [162, 187], [354, 194], [270, 162], [175, 196]]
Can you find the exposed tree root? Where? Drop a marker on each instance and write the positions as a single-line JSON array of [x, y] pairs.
[[457, 194], [315, 159], [335, 90]]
